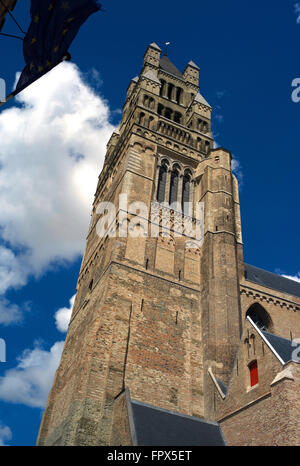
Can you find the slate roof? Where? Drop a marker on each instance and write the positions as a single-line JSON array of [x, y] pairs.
[[272, 280], [222, 385], [282, 346], [166, 65], [160, 427]]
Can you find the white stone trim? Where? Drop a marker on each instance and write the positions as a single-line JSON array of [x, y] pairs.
[[266, 340]]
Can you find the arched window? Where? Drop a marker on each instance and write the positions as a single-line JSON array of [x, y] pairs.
[[177, 117], [186, 188], [259, 316], [174, 186], [160, 109], [170, 90], [178, 95], [151, 122], [162, 178], [207, 147], [145, 101], [253, 371], [141, 118], [168, 113], [163, 83]]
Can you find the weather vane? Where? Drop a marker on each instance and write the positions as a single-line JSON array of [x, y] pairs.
[[166, 49]]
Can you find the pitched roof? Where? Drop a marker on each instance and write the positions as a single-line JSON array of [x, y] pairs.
[[156, 426], [222, 385], [155, 46], [271, 280], [282, 346], [193, 64], [150, 75], [199, 98], [166, 65]]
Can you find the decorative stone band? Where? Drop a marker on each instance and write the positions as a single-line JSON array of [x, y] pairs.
[[259, 296]]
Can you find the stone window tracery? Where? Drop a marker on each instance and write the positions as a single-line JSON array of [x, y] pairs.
[[174, 186]]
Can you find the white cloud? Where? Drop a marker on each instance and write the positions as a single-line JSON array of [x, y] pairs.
[[235, 164], [5, 434], [29, 383], [219, 118], [13, 269], [220, 94], [63, 315], [296, 278], [52, 150], [237, 170], [9, 313], [297, 11]]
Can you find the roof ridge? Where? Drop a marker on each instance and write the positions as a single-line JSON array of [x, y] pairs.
[[168, 66], [199, 98], [168, 411], [150, 75]]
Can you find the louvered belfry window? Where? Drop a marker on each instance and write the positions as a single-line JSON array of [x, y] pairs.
[[185, 191], [173, 187], [253, 373], [162, 178]]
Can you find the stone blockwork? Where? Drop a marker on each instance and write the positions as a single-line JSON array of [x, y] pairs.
[[268, 412], [283, 309], [272, 420], [157, 310], [123, 431]]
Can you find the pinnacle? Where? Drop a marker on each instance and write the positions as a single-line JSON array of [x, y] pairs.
[[193, 64], [155, 46], [200, 99]]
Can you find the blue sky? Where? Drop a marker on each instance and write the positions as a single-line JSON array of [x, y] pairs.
[[53, 143]]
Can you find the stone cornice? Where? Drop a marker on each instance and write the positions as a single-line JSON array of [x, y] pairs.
[[260, 295]]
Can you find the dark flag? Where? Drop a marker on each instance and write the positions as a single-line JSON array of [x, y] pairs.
[[54, 25]]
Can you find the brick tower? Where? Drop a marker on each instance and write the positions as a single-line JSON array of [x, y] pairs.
[[155, 310]]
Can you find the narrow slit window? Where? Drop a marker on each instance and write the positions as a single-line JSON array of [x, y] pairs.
[[185, 193], [173, 187]]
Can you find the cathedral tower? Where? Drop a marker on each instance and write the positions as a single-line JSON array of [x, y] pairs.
[[158, 303]]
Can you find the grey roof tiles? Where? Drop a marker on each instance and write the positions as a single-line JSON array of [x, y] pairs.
[[156, 426], [272, 280]]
